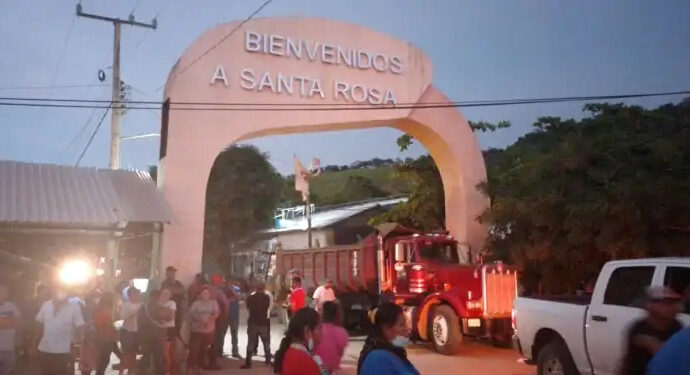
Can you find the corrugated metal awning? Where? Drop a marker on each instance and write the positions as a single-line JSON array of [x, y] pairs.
[[57, 195]]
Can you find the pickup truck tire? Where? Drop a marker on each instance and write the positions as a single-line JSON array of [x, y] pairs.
[[555, 359], [444, 330]]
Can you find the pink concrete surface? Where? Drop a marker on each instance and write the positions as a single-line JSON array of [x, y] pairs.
[[195, 138]]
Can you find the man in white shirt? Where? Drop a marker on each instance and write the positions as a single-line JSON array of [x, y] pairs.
[[323, 294], [61, 324]]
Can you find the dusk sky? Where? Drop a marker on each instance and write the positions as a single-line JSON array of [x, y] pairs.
[[480, 50]]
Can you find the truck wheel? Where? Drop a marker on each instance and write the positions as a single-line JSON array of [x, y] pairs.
[[555, 359], [444, 330]]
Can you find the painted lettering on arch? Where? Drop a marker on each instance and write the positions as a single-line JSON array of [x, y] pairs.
[[312, 87]]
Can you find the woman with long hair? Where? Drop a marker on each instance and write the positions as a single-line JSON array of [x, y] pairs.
[[384, 350], [296, 353]]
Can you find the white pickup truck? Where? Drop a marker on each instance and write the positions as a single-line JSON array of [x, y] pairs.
[[587, 335]]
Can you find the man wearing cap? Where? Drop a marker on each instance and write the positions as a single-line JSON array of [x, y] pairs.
[[648, 335], [178, 295]]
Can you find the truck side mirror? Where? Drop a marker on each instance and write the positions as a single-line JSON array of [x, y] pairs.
[[399, 252]]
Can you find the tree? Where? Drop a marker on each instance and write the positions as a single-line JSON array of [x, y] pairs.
[[426, 207], [574, 194], [242, 194]]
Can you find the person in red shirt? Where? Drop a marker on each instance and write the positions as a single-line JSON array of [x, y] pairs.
[[296, 353], [298, 298]]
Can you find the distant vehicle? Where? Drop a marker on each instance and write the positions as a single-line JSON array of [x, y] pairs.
[[587, 334], [443, 295]]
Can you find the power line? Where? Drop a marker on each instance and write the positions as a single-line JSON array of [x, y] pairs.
[[77, 135], [136, 5], [50, 87], [146, 32], [229, 106], [460, 102], [88, 144], [225, 37]]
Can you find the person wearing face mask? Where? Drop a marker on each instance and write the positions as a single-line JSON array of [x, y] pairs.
[[296, 353], [384, 351], [59, 322]]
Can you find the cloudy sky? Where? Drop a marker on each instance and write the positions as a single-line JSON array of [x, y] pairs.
[[480, 50]]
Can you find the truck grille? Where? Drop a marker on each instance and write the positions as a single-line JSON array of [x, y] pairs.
[[500, 289]]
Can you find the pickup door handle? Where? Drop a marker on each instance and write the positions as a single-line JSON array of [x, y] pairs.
[[599, 318]]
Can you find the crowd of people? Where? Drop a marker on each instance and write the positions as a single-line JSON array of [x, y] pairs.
[[157, 331], [174, 324]]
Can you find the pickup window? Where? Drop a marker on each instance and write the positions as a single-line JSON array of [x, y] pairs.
[[678, 279], [627, 286]]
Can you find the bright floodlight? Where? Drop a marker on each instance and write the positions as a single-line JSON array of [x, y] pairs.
[[141, 284], [75, 272]]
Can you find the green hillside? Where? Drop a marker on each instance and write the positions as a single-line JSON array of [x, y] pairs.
[[356, 184]]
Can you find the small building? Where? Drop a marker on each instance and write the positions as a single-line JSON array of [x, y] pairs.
[[49, 213]]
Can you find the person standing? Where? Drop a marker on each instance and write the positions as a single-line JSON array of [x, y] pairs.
[[296, 353], [128, 334], [331, 350], [104, 332], [178, 295], [195, 287], [220, 294], [168, 309], [298, 298], [10, 319], [384, 351], [60, 323], [152, 334], [647, 335], [324, 293], [258, 324], [203, 314], [234, 295]]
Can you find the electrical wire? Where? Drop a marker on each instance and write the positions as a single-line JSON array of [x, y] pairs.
[[365, 105], [207, 106], [50, 87], [78, 135], [136, 5], [88, 144], [225, 37]]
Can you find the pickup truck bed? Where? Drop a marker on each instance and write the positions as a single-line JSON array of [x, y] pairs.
[[557, 317]]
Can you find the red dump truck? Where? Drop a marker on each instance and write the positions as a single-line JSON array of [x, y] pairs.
[[444, 296]]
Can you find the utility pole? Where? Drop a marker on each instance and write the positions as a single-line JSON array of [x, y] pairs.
[[116, 102], [308, 212]]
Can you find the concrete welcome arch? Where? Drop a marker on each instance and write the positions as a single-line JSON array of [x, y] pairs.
[[304, 61]]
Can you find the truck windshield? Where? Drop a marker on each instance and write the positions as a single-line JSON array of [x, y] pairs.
[[439, 252]]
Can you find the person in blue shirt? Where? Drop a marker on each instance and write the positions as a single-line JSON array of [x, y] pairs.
[[234, 296], [673, 357], [384, 350]]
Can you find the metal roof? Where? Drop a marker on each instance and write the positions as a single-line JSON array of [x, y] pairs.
[[57, 195], [326, 218]]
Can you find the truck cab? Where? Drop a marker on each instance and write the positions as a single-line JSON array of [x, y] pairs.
[[444, 295]]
